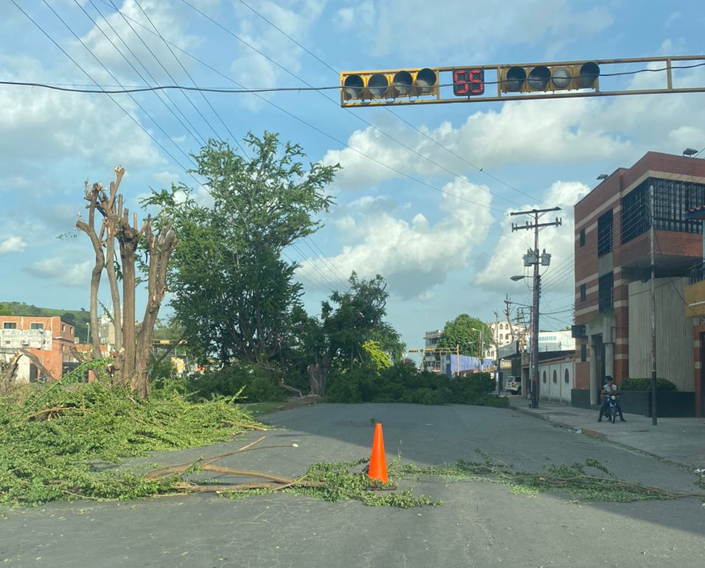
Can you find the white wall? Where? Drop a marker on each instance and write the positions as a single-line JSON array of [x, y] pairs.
[[560, 390]]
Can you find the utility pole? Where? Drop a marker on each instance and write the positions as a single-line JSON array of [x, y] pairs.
[[496, 353], [654, 419], [533, 258]]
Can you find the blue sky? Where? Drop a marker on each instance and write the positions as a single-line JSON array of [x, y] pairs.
[[441, 255]]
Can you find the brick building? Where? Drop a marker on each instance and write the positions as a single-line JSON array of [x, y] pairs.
[[48, 338], [612, 271]]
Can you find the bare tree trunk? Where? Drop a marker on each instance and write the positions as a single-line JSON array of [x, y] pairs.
[[128, 237], [92, 196], [160, 248], [38, 364], [318, 374], [132, 357], [110, 266]]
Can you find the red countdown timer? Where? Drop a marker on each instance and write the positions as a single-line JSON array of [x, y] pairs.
[[468, 82]]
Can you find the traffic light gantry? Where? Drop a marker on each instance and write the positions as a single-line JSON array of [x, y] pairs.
[[432, 85]]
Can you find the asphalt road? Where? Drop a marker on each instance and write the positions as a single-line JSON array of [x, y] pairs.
[[479, 525]]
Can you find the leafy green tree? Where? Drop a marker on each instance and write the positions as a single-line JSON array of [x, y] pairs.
[[378, 358], [347, 321], [5, 310], [464, 331], [232, 290]]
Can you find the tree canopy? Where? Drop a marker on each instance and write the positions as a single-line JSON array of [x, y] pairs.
[[348, 322], [464, 331], [233, 292]]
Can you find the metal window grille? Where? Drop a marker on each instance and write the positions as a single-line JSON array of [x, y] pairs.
[[672, 199], [606, 292], [604, 234]]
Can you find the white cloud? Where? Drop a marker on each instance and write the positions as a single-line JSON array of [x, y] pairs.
[[58, 126], [165, 178], [412, 26], [62, 271], [558, 241], [673, 17], [524, 132], [360, 16], [295, 18], [12, 244], [147, 47], [412, 256]]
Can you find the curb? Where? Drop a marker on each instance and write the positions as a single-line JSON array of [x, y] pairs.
[[594, 434]]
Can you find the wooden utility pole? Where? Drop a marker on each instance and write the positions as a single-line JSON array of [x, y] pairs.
[[533, 258]]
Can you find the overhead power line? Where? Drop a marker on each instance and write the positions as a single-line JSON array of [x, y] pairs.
[[243, 91]]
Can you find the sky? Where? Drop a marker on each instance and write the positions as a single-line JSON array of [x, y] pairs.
[[425, 192]]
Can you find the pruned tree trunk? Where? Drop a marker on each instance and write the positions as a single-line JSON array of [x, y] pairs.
[[160, 248], [128, 236], [93, 196], [318, 374], [132, 349]]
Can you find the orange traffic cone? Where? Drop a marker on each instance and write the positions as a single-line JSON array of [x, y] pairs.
[[378, 463]]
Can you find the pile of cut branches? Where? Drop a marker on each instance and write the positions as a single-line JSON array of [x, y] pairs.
[[589, 481], [59, 441]]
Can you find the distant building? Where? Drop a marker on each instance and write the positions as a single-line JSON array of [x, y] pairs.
[[432, 361], [48, 338], [502, 334]]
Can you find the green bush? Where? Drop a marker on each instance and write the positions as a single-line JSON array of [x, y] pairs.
[[641, 384], [403, 383], [468, 388], [257, 384]]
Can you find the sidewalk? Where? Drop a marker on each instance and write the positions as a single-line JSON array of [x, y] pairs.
[[679, 440]]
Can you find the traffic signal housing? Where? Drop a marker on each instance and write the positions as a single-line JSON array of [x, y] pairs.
[[520, 79], [390, 84]]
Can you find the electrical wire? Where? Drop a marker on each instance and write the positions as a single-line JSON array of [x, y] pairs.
[[243, 91], [123, 109]]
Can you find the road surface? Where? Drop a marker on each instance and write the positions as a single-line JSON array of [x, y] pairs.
[[479, 525]]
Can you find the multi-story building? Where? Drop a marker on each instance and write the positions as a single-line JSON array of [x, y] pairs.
[[432, 360], [503, 333], [614, 242], [48, 338]]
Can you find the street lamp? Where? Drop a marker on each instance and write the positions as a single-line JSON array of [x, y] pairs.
[[534, 354], [690, 152]]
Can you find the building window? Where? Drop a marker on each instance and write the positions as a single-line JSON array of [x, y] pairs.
[[567, 376], [555, 377], [583, 353], [544, 377], [582, 237], [501, 337], [672, 198], [604, 234], [9, 325], [583, 292], [606, 292], [36, 326]]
